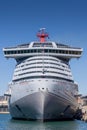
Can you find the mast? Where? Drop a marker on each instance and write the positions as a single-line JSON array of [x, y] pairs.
[[42, 35]]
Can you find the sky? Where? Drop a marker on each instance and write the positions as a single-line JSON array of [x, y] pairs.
[[64, 20]]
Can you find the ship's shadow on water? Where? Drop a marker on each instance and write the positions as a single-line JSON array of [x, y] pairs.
[[6, 123]]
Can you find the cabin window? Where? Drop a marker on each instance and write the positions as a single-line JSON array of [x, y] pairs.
[[34, 51], [19, 52], [46, 50], [25, 51]]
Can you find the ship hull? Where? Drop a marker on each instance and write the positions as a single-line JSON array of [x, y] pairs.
[[42, 106]]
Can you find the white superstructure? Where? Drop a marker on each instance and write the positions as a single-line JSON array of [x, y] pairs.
[[42, 86]]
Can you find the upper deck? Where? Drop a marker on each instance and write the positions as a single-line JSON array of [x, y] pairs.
[[42, 47], [46, 48]]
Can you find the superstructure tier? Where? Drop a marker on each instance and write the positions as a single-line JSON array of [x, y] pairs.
[[37, 48]]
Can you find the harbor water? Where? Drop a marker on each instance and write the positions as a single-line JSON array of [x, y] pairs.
[[6, 123]]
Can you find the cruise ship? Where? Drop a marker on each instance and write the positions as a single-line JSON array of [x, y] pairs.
[[42, 87]]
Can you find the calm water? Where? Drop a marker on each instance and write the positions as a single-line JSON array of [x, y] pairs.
[[6, 123]]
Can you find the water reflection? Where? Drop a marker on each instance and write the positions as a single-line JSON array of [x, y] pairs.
[[59, 125], [6, 123]]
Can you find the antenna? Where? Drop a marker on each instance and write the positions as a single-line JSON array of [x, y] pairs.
[[42, 29], [42, 35]]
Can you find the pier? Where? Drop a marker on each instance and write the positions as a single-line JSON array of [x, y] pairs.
[[82, 100], [3, 104], [84, 108]]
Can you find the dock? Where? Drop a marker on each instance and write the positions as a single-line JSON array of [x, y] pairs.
[[82, 100], [3, 105]]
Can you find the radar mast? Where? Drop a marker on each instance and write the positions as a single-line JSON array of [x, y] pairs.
[[42, 35]]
